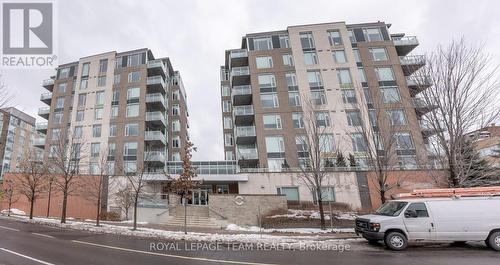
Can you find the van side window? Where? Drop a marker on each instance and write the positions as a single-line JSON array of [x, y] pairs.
[[420, 208]]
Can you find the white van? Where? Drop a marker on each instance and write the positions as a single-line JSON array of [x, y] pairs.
[[457, 219]]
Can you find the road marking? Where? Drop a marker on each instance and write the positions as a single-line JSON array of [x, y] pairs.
[[43, 235], [172, 256], [8, 228], [26, 257]]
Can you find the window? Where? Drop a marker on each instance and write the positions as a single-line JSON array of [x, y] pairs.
[[114, 111], [310, 58], [404, 141], [133, 93], [291, 82], [287, 59], [275, 144], [134, 59], [222, 189], [81, 100], [344, 77], [293, 98], [84, 83], [372, 34], [262, 44], [85, 69], [226, 106], [132, 110], [95, 149], [56, 133], [228, 139], [130, 149], [58, 117], [80, 115], [349, 96], [284, 41], [103, 65], [372, 116], [357, 56], [176, 156], [228, 123], [396, 116], [407, 161], [384, 73], [111, 151], [176, 141], [78, 132], [334, 37], [378, 54], [302, 146], [116, 79], [327, 194], [63, 73], [390, 94], [131, 129], [339, 56], [113, 130], [272, 121], [96, 130], [419, 208], [306, 40], [176, 125], [176, 109], [322, 119], [98, 112], [326, 143], [230, 155], [94, 168], [362, 74], [130, 167], [175, 95], [226, 91], [318, 97], [101, 81], [267, 83], [297, 119], [352, 37], [353, 117], [59, 102], [264, 62], [291, 193], [315, 80], [61, 88], [99, 98], [359, 143], [134, 76], [269, 100]]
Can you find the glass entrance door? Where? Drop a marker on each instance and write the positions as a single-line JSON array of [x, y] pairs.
[[200, 196]]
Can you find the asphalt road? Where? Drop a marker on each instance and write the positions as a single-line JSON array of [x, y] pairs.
[[24, 243]]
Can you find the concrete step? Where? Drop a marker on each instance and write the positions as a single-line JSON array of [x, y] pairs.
[[193, 222]]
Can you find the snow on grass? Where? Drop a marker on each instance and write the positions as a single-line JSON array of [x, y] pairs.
[[13, 211], [295, 241], [313, 214], [233, 227]]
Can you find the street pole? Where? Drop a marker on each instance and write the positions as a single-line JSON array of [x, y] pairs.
[[260, 221], [185, 216], [331, 215]]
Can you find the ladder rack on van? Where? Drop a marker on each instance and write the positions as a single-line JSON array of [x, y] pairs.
[[451, 192]]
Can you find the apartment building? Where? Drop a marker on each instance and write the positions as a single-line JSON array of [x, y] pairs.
[[344, 76], [128, 106], [17, 134], [487, 143]]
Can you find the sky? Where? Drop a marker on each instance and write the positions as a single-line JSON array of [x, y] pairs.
[[195, 34]]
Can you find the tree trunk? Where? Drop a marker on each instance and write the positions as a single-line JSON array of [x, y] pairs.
[[48, 199], [185, 216], [321, 211], [10, 205], [32, 204], [453, 174], [98, 210], [135, 213], [64, 204], [382, 196]]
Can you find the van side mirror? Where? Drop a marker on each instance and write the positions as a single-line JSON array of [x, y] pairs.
[[411, 214]]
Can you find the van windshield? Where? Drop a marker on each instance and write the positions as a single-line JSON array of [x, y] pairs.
[[392, 208]]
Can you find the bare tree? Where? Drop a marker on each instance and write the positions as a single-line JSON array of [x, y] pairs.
[[31, 180], [66, 159], [185, 183], [124, 198], [461, 82], [50, 184], [11, 195]]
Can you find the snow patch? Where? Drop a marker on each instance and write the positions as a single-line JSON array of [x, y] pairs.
[[312, 214], [233, 227], [13, 211]]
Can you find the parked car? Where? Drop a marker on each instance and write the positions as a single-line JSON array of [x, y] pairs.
[[457, 219]]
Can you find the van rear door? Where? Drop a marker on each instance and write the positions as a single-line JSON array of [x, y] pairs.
[[419, 224]]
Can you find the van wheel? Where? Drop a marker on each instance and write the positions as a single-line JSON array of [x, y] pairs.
[[396, 241], [494, 241]]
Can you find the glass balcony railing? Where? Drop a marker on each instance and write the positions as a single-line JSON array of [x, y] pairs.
[[406, 40], [46, 96], [412, 60], [239, 53], [154, 156], [247, 153], [245, 131], [44, 111], [242, 90], [237, 71], [157, 64], [156, 80], [154, 136], [243, 110], [155, 97], [156, 116], [39, 141], [41, 126], [48, 82]]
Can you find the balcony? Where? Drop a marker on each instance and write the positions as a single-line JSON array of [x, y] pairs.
[[243, 115], [156, 118], [238, 58], [44, 112], [247, 157], [156, 84], [433, 150], [156, 101], [411, 64], [39, 142], [422, 107], [41, 127], [156, 67], [46, 98], [48, 84], [405, 44], [242, 95], [240, 76], [417, 84], [155, 137], [246, 135], [154, 157], [429, 130]]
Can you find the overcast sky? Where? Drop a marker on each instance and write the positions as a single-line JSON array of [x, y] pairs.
[[194, 34]]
